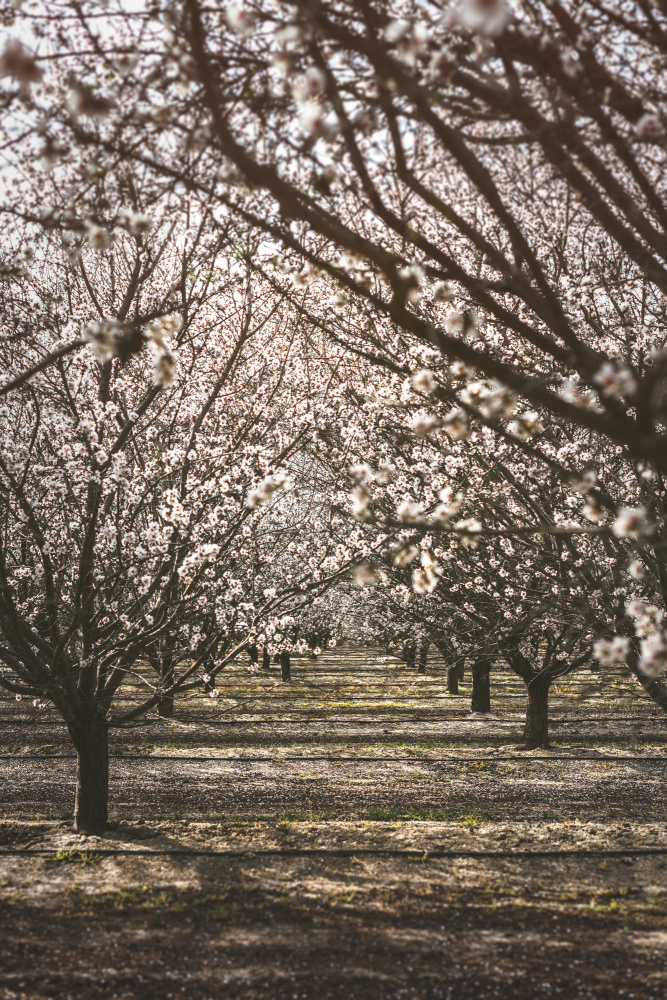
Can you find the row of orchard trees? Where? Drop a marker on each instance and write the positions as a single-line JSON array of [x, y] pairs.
[[418, 253], [491, 555], [159, 511]]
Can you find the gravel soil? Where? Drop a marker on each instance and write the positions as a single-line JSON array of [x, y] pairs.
[[356, 755]]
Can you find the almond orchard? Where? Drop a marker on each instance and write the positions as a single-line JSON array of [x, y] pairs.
[[333, 351]]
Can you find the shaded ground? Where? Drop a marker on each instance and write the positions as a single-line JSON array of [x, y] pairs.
[[357, 754]]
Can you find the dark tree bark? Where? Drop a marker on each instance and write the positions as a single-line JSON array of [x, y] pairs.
[[166, 703], [91, 740], [453, 680], [411, 651], [423, 656], [254, 654], [209, 685], [481, 685], [266, 659], [536, 733], [285, 666], [655, 687]]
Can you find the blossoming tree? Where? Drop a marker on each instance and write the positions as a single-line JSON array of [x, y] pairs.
[[143, 537]]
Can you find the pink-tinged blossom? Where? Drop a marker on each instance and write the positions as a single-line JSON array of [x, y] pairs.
[[423, 381], [311, 118], [526, 425], [405, 554], [637, 570], [426, 579], [653, 655], [423, 423], [361, 473], [456, 424], [361, 501], [264, 491], [165, 365], [135, 223], [99, 238], [367, 574], [467, 530], [409, 38], [311, 85], [240, 19], [485, 17], [650, 126], [585, 482], [593, 511], [648, 622], [631, 522], [385, 473], [408, 511], [498, 403], [610, 651], [455, 323], [615, 380]]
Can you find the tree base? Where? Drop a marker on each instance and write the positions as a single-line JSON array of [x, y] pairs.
[[91, 739], [536, 731]]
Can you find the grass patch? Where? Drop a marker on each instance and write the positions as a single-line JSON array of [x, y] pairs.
[[73, 855], [470, 820]]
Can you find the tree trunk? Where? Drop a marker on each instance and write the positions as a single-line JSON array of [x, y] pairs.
[[91, 739], [453, 680], [266, 659], [536, 733], [165, 705], [423, 656], [655, 687], [411, 653], [481, 686], [254, 654], [285, 666]]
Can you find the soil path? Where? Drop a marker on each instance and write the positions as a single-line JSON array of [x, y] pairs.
[[356, 755]]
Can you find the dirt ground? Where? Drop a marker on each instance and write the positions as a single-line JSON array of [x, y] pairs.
[[300, 784]]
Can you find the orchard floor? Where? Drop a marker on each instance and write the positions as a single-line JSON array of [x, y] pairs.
[[336, 798]]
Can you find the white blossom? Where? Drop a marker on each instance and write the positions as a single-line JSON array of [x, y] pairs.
[[456, 423], [653, 655], [240, 19], [423, 381], [487, 17], [610, 651], [631, 522], [650, 126], [615, 380]]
